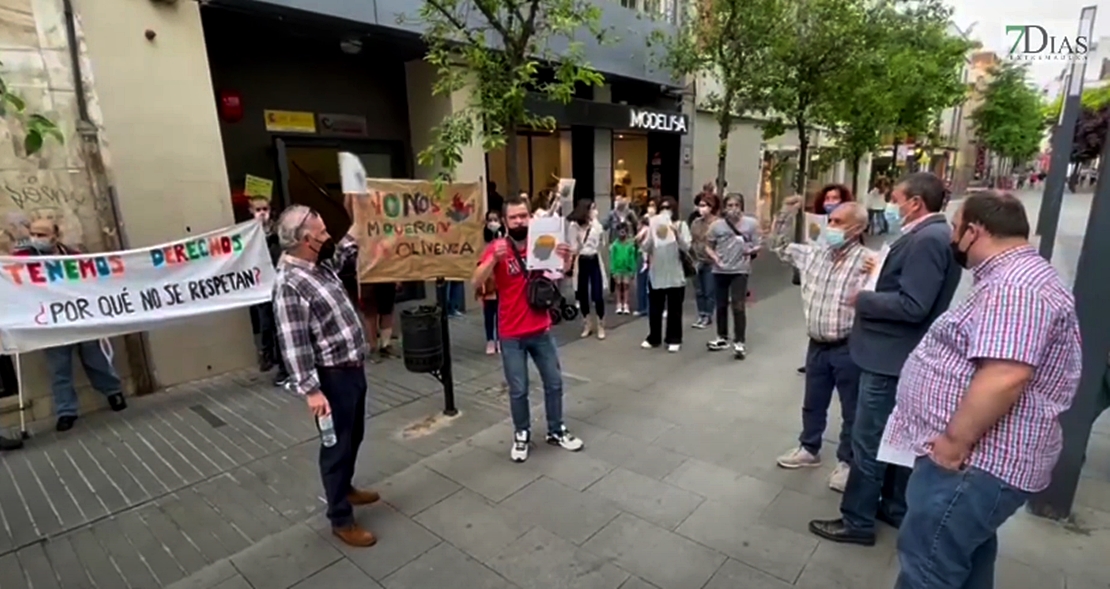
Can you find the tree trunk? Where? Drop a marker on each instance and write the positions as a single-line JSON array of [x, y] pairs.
[[801, 180], [511, 155], [724, 121], [855, 174]]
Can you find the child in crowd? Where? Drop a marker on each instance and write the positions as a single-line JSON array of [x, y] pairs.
[[487, 293], [622, 258]]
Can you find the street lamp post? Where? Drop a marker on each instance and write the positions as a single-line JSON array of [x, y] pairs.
[[1053, 195], [1092, 290]]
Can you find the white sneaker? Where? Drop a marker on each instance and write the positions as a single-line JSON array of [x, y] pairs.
[[565, 440], [600, 330], [739, 351], [839, 477], [586, 329], [799, 458], [673, 348], [521, 442], [645, 345]]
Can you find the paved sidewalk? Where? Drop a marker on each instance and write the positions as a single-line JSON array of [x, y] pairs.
[[192, 475], [676, 489]]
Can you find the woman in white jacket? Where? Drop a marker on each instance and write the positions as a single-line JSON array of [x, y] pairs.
[[876, 204]]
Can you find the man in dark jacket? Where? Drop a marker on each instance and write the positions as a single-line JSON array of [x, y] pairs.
[[264, 312], [916, 284]]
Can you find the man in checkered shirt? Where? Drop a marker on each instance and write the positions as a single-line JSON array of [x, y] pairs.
[[324, 348], [830, 271], [979, 400]]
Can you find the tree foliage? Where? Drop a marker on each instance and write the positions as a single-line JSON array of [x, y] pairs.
[[730, 42], [36, 127], [908, 72], [1090, 128], [503, 50], [1009, 122], [824, 40]]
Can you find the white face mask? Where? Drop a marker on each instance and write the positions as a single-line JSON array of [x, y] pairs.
[[703, 211], [41, 244], [593, 213], [493, 225]]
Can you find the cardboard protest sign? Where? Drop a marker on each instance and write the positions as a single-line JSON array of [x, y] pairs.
[[57, 300], [436, 236]]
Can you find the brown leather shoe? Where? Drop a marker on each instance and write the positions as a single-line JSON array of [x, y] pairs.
[[359, 497], [355, 535]]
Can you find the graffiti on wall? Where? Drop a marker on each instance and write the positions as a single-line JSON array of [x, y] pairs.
[[59, 196]]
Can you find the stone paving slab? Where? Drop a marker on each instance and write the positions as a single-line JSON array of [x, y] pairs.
[[713, 514]]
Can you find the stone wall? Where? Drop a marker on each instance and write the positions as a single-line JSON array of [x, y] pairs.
[[54, 183]]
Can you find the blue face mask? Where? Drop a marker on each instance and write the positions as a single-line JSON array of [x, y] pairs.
[[893, 215], [834, 236], [830, 207]]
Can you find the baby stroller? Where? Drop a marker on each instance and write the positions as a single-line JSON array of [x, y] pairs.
[[565, 310]]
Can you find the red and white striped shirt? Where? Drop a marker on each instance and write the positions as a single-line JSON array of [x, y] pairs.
[[1018, 310]]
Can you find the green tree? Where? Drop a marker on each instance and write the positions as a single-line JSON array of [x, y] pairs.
[[36, 127], [730, 42], [824, 41], [907, 73], [503, 50], [1010, 120]]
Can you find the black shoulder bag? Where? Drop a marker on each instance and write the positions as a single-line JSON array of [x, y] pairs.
[[738, 234], [541, 292]]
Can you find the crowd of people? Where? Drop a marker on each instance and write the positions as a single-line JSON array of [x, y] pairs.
[[949, 409]]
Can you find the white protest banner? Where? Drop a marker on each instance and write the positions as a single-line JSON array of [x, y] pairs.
[[56, 300]]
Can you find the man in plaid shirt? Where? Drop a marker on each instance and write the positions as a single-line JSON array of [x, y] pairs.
[[979, 400], [323, 346], [830, 272]]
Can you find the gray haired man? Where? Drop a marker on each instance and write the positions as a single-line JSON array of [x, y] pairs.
[[323, 346]]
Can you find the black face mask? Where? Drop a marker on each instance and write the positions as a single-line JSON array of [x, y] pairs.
[[518, 233], [325, 250], [961, 255]]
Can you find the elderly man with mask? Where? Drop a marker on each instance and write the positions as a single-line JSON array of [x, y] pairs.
[[95, 356], [830, 270], [323, 346]]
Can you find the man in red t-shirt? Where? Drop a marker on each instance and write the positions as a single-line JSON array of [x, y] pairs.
[[524, 332]]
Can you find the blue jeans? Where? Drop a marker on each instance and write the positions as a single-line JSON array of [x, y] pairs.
[[948, 538], [102, 375], [873, 486], [489, 315], [456, 297], [545, 355], [829, 366], [705, 291]]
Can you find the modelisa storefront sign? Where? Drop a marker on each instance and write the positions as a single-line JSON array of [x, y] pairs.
[[56, 300], [657, 121]]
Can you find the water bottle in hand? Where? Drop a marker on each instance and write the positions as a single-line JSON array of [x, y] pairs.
[[327, 431]]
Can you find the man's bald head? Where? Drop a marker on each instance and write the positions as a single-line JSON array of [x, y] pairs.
[[849, 216]]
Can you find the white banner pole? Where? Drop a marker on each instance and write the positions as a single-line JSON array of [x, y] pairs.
[[19, 391]]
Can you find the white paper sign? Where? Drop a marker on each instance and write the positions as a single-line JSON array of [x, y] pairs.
[[57, 300], [544, 236], [660, 230], [815, 228], [565, 192], [873, 277], [352, 175], [893, 454]]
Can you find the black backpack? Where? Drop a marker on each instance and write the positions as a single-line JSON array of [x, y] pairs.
[[541, 292]]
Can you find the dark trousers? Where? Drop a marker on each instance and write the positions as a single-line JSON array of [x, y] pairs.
[[267, 327], [589, 287], [643, 287], [489, 316], [705, 289], [669, 299], [829, 366], [345, 390], [456, 297], [873, 485], [948, 539], [732, 292]]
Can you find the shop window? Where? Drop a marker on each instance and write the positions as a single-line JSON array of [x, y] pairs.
[[630, 167], [542, 158]]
